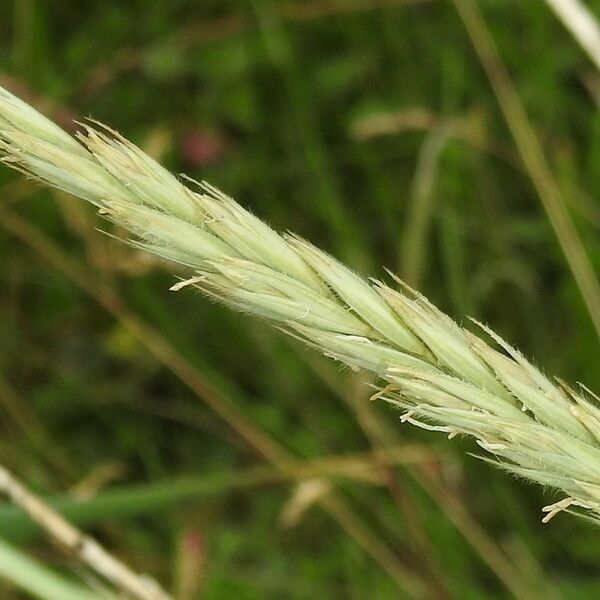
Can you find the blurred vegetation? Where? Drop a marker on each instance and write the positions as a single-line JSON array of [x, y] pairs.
[[371, 129]]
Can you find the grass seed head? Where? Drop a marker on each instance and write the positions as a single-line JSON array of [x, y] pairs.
[[441, 376]]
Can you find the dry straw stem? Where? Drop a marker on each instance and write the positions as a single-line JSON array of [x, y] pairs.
[[333, 504], [582, 23], [37, 580], [442, 376], [84, 548], [382, 434]]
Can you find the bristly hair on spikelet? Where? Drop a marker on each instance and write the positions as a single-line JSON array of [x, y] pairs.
[[442, 376]]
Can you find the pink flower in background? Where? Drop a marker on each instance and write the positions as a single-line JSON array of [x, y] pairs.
[[200, 147]]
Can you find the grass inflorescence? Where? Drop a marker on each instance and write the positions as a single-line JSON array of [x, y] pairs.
[[441, 375]]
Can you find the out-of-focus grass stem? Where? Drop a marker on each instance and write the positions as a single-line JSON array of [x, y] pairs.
[[156, 344], [533, 157]]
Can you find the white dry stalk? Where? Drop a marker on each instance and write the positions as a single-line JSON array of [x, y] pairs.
[[441, 375], [582, 23], [83, 547]]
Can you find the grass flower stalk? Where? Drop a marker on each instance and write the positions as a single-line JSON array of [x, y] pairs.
[[442, 376]]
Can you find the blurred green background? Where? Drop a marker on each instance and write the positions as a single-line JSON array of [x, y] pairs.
[[371, 128]]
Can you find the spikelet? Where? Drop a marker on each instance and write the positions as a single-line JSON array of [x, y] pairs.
[[443, 377]]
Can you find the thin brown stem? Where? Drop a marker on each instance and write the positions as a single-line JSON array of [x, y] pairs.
[[335, 505], [384, 437]]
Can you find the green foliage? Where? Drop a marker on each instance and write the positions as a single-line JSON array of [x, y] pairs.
[[282, 95]]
